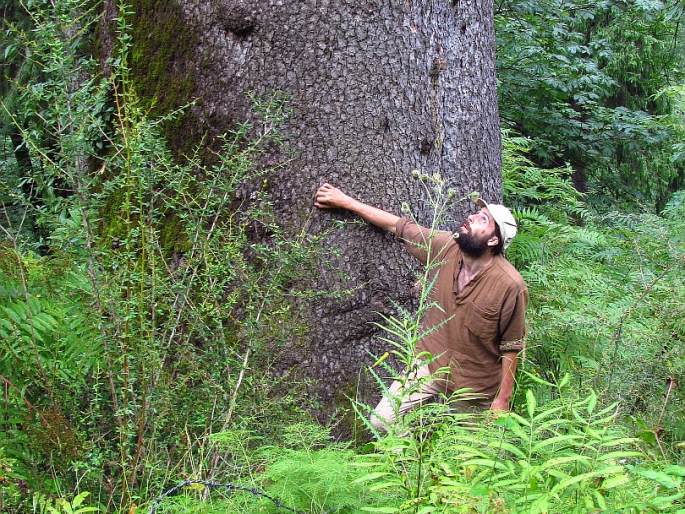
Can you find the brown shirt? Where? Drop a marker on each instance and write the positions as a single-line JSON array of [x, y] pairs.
[[475, 325]]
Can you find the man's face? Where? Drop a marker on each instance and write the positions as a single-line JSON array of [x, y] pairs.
[[477, 233]]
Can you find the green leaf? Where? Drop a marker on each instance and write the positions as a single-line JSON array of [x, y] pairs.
[[382, 510], [674, 469], [523, 421], [564, 484], [370, 476], [537, 379], [661, 502], [601, 501], [393, 484], [504, 445], [621, 454], [531, 403], [623, 440], [592, 402], [488, 463], [12, 315], [556, 440], [546, 413], [79, 499], [660, 477], [480, 490], [553, 463], [615, 481]]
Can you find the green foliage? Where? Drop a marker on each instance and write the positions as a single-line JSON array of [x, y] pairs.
[[143, 297], [307, 472], [565, 452], [584, 81], [42, 505], [605, 292], [160, 290], [316, 481], [566, 456]]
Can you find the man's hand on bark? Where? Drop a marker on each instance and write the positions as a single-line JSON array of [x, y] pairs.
[[329, 197]]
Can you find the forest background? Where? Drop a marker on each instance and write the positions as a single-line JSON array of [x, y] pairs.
[[136, 324]]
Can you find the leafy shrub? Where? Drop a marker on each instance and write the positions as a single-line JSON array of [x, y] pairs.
[[568, 456], [132, 320], [605, 293]]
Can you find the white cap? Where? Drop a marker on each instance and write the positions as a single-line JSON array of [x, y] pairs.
[[504, 219]]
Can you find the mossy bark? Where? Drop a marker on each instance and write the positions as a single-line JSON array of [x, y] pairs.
[[376, 89], [163, 53]]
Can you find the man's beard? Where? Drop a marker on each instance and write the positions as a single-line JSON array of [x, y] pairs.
[[471, 245]]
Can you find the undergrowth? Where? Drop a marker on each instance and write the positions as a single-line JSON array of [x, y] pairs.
[[607, 295], [135, 315]]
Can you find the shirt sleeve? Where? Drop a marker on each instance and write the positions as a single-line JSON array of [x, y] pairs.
[[421, 242], [512, 326]]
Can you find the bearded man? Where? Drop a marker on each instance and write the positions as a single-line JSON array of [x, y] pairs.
[[481, 302]]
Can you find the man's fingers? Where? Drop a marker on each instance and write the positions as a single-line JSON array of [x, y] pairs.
[[325, 196]]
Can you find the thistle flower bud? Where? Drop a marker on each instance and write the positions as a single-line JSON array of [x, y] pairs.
[[474, 196]]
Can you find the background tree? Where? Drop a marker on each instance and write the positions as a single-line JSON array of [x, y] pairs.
[[376, 89], [586, 81]]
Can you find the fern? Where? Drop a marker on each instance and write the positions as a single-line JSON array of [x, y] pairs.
[[57, 332]]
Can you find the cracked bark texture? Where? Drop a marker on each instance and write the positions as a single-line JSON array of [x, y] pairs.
[[376, 88]]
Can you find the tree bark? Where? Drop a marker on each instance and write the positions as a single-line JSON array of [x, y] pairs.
[[377, 89]]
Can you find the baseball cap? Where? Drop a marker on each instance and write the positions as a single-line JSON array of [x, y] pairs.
[[504, 219]]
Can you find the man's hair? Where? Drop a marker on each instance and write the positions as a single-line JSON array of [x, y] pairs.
[[499, 247]]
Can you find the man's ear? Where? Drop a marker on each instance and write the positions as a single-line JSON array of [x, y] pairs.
[[493, 241]]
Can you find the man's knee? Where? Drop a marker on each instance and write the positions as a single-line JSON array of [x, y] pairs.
[[378, 423], [382, 416]]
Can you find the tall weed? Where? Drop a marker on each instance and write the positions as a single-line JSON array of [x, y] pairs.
[[162, 289]]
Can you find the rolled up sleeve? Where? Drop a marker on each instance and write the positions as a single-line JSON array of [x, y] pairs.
[[513, 321], [421, 242]]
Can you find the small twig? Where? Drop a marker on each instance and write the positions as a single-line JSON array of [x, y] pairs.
[[9, 383], [657, 429], [671, 384], [619, 329], [230, 487]]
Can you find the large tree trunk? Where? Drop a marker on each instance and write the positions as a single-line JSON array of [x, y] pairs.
[[377, 89]]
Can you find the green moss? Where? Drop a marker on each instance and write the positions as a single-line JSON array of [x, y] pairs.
[[162, 50], [173, 237]]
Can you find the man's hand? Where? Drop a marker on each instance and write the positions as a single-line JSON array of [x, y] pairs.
[[329, 197], [509, 363], [500, 404]]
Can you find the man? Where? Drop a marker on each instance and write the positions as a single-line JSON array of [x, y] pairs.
[[480, 325]]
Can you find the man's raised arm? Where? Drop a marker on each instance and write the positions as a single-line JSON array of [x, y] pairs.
[[329, 197]]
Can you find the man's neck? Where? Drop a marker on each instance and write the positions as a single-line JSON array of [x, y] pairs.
[[473, 265]]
